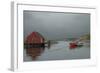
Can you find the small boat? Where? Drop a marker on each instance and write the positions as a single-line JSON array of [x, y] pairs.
[[73, 45]]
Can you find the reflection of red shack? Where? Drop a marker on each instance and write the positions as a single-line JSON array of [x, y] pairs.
[[34, 38]]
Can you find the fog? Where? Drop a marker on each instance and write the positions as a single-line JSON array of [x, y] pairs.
[[56, 25]]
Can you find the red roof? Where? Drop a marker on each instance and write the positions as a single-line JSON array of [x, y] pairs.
[[35, 37]]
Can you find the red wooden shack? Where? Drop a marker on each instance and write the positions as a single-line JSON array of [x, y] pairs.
[[34, 38]]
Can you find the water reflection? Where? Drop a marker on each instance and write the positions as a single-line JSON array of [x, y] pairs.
[[34, 52], [59, 51], [36, 49]]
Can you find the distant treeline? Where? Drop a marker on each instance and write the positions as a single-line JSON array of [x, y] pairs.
[[70, 39], [65, 39]]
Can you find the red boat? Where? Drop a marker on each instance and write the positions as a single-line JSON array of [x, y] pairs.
[[73, 45]]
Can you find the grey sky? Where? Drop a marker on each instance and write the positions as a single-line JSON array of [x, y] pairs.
[[54, 25]]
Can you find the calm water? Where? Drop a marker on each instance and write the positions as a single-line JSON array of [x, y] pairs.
[[61, 51]]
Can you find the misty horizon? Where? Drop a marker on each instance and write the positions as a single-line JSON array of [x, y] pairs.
[[56, 25]]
